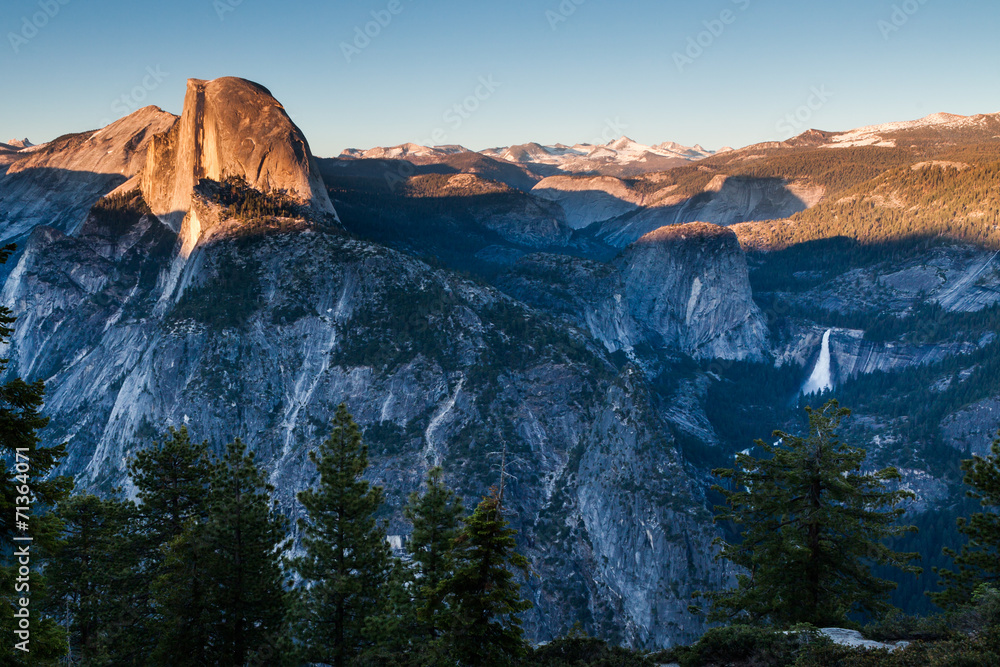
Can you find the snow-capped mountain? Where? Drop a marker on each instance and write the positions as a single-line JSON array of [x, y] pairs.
[[620, 157], [882, 135], [402, 152]]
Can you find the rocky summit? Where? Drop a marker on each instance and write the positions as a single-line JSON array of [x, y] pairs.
[[229, 127]]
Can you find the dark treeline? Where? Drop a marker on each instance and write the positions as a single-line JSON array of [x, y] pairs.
[[199, 571], [246, 203]]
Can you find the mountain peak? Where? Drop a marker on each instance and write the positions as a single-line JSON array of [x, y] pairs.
[[882, 134], [20, 143], [230, 127], [401, 152], [621, 142]]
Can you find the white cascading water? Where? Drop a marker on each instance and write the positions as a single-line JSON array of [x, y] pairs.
[[820, 379]]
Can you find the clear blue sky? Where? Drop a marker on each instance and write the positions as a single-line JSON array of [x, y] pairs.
[[607, 65]]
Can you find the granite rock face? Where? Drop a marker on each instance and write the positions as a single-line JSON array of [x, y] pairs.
[[586, 200], [56, 183], [724, 201], [275, 329], [680, 290], [853, 356], [688, 285], [230, 127], [260, 328], [974, 427]]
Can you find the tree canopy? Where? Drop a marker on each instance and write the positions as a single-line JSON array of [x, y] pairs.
[[812, 526], [978, 561]]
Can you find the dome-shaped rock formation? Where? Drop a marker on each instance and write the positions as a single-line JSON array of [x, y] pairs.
[[689, 284], [230, 127]]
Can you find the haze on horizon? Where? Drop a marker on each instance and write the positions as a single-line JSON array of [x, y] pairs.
[[385, 72]]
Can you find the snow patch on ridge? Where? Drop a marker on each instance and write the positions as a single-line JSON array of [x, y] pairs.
[[871, 135]]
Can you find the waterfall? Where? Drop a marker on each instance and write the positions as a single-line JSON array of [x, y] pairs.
[[820, 379]]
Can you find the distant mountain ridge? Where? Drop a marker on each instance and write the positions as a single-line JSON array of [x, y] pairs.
[[882, 135], [620, 157]]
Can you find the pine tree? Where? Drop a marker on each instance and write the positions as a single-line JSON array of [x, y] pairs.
[[221, 590], [978, 562], [26, 482], [97, 582], [397, 635], [183, 601], [436, 517], [244, 536], [486, 629], [813, 527], [415, 617], [171, 478], [347, 557]]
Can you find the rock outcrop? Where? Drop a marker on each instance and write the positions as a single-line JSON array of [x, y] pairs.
[[682, 289], [55, 184], [854, 639], [18, 144], [687, 286], [230, 127], [853, 356], [588, 199], [724, 201], [973, 428]]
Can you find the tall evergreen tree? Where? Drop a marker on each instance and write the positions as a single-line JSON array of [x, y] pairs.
[[347, 558], [236, 613], [415, 619], [978, 562], [183, 603], [396, 634], [486, 628], [172, 482], [813, 526], [26, 482], [436, 517], [97, 582], [244, 536], [171, 478]]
